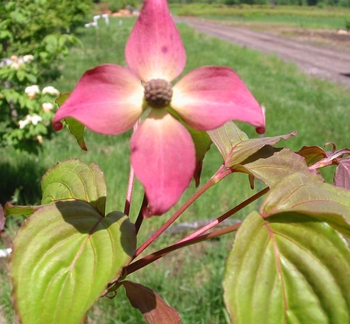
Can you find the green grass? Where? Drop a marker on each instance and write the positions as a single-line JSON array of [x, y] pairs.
[[288, 16], [189, 280]]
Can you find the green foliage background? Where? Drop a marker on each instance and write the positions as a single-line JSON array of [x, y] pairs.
[[24, 23]]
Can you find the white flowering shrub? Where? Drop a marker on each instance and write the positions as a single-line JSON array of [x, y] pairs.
[[26, 111]]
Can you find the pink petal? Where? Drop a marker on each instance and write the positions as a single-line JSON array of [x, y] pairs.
[[154, 49], [208, 97], [107, 99], [163, 157]]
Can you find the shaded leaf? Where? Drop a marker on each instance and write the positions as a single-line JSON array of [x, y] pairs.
[[287, 269], [2, 218], [73, 179], [227, 136], [63, 258], [76, 128], [202, 144], [312, 154], [150, 304], [243, 150], [315, 198], [271, 165], [342, 174]]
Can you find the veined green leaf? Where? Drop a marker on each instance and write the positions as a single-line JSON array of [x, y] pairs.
[[26, 211], [271, 165], [317, 199], [243, 150], [73, 179], [63, 257], [287, 269], [227, 136]]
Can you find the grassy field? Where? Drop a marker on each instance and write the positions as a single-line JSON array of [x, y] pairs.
[[189, 280], [288, 16]]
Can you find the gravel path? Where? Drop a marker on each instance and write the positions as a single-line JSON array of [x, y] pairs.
[[322, 62]]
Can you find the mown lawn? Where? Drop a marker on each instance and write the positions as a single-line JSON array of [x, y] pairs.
[[189, 280]]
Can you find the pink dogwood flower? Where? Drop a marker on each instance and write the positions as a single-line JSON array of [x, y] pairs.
[[110, 99]]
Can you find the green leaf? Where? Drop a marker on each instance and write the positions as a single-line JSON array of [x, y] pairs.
[[227, 136], [271, 165], [150, 304], [11, 210], [20, 75], [315, 198], [202, 144], [75, 180], [63, 257], [77, 129], [312, 154], [287, 269], [244, 149], [60, 100]]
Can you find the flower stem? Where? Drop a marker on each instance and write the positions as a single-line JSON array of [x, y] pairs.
[[129, 191], [225, 216], [157, 255], [219, 175], [140, 215], [131, 181]]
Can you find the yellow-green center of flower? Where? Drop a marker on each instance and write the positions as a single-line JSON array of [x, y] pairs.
[[158, 93]]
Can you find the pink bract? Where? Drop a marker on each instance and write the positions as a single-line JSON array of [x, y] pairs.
[[109, 99]]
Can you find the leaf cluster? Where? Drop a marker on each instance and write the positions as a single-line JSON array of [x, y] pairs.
[[24, 24]]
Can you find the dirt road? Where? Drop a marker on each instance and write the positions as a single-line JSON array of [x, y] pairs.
[[319, 61]]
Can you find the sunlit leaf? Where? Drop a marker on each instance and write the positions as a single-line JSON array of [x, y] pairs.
[[287, 269], [154, 309], [227, 136], [243, 150], [73, 179], [11, 210], [271, 165], [63, 258], [317, 199]]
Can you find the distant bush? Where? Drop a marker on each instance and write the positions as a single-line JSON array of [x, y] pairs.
[[24, 24], [116, 5], [33, 42]]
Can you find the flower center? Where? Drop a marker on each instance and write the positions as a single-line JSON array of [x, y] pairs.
[[158, 93]]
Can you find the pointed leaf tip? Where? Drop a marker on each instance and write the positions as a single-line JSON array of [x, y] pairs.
[[150, 304]]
